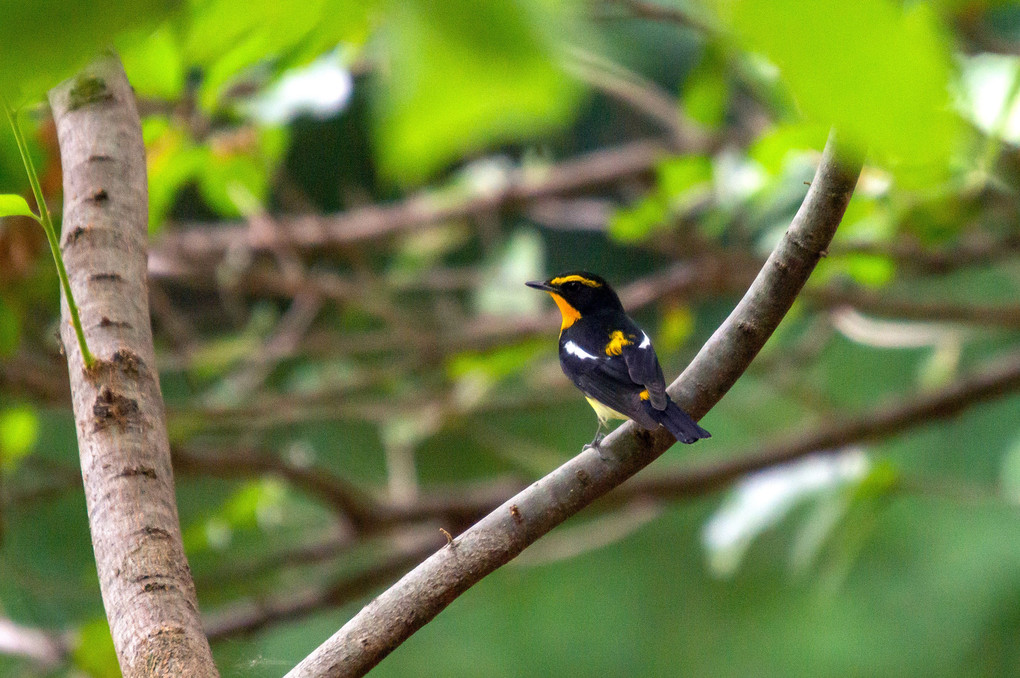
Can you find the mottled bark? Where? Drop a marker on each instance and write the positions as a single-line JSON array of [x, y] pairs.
[[424, 592], [122, 440]]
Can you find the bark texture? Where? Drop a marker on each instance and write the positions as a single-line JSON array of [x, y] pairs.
[[424, 592], [119, 413]]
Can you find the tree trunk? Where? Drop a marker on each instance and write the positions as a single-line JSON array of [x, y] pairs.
[[125, 457]]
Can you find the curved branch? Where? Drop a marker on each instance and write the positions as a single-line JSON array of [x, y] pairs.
[[423, 593], [119, 414], [998, 379]]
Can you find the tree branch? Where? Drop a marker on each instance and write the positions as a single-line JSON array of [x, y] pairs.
[[48, 649], [1004, 316], [461, 506], [413, 601], [991, 381], [175, 249], [119, 414], [250, 616]]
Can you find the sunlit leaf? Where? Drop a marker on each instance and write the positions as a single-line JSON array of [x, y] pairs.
[[463, 75], [676, 327], [876, 70], [228, 39], [154, 63], [13, 205], [706, 93], [499, 362], [637, 222], [95, 654], [173, 161], [255, 504], [678, 179], [237, 169], [870, 270], [772, 149], [44, 41], [19, 430]]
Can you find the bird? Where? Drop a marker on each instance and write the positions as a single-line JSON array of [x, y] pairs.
[[610, 359]]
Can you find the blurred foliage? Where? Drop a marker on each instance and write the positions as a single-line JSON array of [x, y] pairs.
[[410, 358]]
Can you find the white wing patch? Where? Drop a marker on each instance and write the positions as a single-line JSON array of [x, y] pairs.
[[646, 342], [575, 350]]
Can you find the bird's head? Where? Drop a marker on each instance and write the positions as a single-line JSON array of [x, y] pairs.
[[578, 293]]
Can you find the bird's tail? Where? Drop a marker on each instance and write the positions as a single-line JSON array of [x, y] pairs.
[[677, 422]]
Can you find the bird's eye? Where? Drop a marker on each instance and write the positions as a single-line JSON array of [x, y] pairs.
[[572, 285]]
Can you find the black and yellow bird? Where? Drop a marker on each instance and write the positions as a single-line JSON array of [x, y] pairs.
[[611, 359]]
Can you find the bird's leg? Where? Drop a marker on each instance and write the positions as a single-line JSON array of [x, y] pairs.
[[597, 440]]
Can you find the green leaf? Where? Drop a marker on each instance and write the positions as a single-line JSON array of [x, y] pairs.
[[637, 222], [870, 270], [44, 41], [498, 363], [773, 149], [173, 161], [10, 330], [95, 654], [463, 75], [13, 205], [676, 327], [255, 504], [228, 41], [678, 176], [706, 93], [1010, 472], [154, 64], [19, 431], [234, 176], [878, 72]]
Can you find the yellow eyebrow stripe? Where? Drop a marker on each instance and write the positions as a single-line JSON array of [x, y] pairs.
[[575, 278]]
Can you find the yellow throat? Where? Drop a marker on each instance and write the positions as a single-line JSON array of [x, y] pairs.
[[569, 313]]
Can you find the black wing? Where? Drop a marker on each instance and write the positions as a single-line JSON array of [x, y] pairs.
[[607, 381], [643, 368]]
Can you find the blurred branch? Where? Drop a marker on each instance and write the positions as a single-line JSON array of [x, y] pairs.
[[34, 375], [333, 490], [413, 601], [992, 381], [642, 95], [707, 274], [643, 9], [939, 260], [252, 615], [1001, 316], [47, 648], [195, 243]]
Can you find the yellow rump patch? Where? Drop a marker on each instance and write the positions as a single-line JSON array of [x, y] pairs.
[[575, 278], [644, 395], [617, 341], [569, 313]]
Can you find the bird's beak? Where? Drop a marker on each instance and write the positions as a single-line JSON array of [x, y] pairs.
[[539, 285]]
